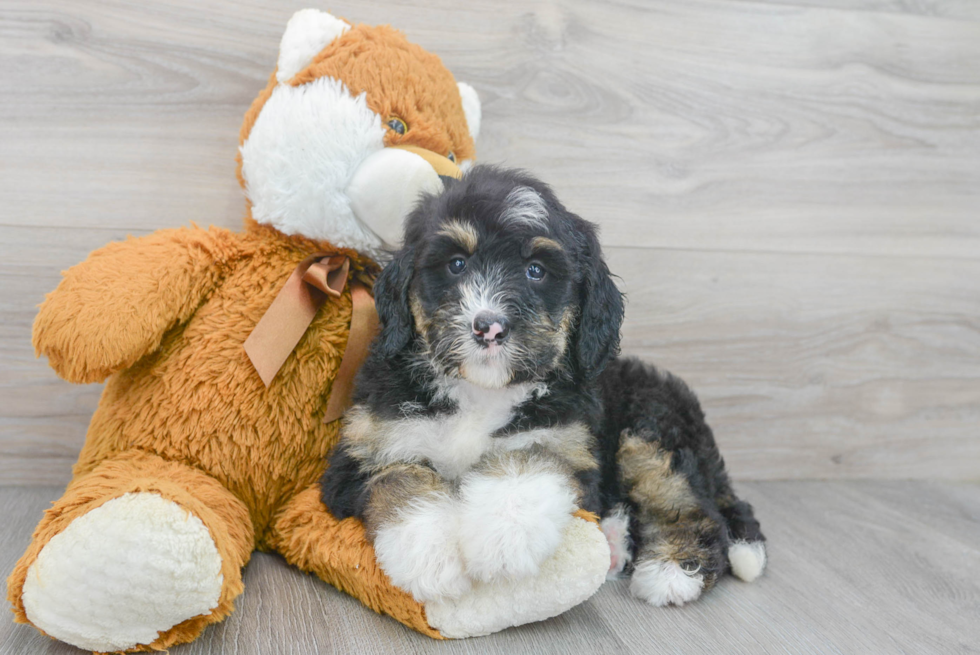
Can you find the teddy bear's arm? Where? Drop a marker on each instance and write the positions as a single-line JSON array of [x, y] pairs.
[[115, 307]]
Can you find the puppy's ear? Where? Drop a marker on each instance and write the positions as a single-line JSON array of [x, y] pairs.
[[601, 303], [391, 300]]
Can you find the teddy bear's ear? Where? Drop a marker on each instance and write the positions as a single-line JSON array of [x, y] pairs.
[[308, 32], [471, 107]]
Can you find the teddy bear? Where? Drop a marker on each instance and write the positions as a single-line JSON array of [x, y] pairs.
[[228, 357]]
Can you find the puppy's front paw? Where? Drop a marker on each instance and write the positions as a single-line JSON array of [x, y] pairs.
[[419, 551], [513, 522]]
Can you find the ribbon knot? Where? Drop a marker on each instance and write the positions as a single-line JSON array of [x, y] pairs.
[[328, 274], [315, 279]]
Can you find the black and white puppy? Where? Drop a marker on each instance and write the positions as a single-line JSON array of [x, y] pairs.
[[486, 413]]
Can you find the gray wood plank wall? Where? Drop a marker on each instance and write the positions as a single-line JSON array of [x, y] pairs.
[[789, 190]]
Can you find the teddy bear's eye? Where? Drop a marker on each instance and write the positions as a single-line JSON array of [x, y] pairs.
[[451, 157], [398, 125]]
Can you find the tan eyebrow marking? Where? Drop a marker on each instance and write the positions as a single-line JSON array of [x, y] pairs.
[[461, 233], [545, 242]]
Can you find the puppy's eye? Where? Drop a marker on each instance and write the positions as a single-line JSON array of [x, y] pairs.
[[397, 125], [451, 157], [457, 265], [535, 271]]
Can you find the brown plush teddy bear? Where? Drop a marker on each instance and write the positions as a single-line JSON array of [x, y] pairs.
[[212, 432]]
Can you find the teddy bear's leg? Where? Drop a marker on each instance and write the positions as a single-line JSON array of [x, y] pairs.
[[138, 554], [570, 576], [310, 538], [338, 552]]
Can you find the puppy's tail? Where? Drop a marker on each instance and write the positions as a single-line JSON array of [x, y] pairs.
[[640, 400]]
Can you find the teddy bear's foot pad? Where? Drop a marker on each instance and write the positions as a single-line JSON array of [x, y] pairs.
[[570, 576], [122, 573]]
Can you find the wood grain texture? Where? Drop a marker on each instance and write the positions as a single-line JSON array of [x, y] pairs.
[[790, 191], [883, 383], [855, 567]]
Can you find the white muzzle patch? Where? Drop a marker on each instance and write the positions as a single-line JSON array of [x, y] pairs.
[[300, 156], [484, 366]]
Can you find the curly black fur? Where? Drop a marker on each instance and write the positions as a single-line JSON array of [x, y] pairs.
[[659, 408], [564, 338]]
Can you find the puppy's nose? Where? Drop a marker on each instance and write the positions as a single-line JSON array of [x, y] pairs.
[[490, 328]]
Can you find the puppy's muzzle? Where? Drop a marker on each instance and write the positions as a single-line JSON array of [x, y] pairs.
[[490, 329]]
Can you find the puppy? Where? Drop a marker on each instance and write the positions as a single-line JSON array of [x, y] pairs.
[[486, 413], [669, 511]]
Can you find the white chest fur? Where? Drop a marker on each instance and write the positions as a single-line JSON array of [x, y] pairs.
[[454, 442]]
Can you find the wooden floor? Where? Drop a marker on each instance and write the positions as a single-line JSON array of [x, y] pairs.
[[855, 567]]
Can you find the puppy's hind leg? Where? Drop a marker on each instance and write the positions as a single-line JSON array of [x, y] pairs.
[[747, 550], [681, 539]]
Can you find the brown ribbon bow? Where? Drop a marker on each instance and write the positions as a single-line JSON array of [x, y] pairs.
[[285, 322]]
